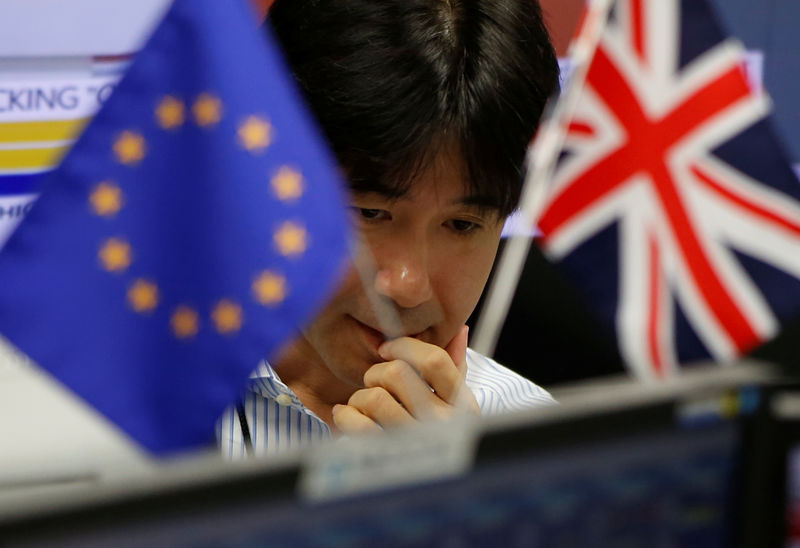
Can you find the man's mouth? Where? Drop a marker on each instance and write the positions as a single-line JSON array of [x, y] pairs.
[[375, 337]]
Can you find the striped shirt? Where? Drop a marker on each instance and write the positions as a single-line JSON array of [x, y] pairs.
[[278, 421]]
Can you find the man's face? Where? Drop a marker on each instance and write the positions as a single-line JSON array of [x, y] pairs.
[[433, 251]]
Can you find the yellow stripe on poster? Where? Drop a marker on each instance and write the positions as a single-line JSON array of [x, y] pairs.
[[41, 130], [31, 158]]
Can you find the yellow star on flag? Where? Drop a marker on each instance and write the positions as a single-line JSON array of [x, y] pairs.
[[291, 239], [227, 316], [129, 147], [185, 322], [115, 255], [287, 184], [143, 296], [255, 134], [269, 288], [106, 199], [207, 110], [169, 112]]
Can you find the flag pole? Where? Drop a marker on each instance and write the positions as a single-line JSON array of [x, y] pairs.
[[541, 161]]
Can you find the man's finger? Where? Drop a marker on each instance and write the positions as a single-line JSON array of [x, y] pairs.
[[350, 420], [380, 406], [432, 362], [404, 383], [457, 349]]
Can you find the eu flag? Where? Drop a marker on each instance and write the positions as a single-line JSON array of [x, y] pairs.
[[194, 227]]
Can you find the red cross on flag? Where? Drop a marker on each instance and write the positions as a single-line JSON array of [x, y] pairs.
[[672, 206]]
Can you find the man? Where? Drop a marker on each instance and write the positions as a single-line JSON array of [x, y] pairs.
[[429, 106]]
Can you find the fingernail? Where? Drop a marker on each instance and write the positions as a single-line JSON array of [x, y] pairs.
[[336, 408], [382, 350]]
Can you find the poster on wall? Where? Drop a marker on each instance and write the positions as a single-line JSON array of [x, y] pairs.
[[58, 62]]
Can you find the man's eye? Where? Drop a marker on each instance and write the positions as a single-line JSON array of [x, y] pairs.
[[463, 227], [369, 214]]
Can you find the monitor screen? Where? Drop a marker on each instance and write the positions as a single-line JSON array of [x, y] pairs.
[[650, 474]]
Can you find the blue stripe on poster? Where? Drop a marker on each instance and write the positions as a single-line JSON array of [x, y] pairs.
[[21, 184]]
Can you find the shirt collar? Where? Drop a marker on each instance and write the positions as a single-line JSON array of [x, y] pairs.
[[266, 382]]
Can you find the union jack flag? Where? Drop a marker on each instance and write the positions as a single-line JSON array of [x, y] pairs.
[[673, 205]]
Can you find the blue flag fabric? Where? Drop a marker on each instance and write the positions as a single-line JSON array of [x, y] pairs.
[[673, 208], [196, 224]]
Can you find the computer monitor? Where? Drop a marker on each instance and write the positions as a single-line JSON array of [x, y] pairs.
[[610, 466], [772, 505]]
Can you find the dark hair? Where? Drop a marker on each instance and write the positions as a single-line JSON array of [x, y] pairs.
[[392, 82]]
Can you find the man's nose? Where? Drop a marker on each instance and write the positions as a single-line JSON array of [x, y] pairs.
[[403, 276]]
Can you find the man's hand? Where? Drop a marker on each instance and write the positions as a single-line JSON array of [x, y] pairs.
[[418, 381]]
